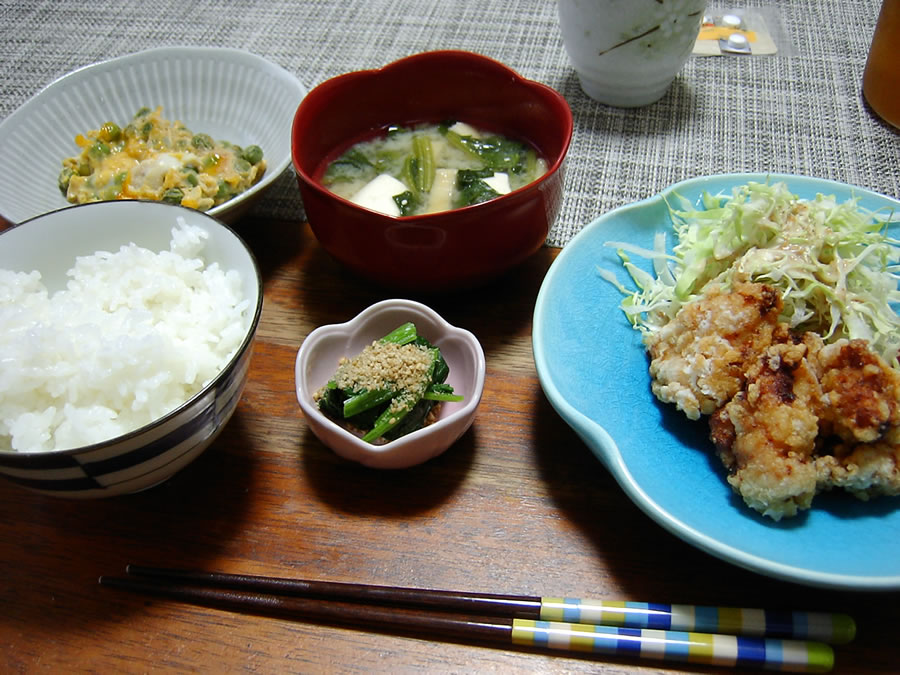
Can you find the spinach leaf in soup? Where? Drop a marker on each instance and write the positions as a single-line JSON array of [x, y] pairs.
[[472, 188]]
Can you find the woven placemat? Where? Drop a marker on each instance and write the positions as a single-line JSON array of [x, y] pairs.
[[800, 111]]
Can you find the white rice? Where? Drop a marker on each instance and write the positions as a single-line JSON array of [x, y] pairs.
[[133, 336]]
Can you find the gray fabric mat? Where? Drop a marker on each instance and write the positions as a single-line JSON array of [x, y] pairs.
[[800, 111]]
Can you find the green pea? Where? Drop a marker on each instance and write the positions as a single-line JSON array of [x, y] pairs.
[[84, 169], [146, 128], [98, 150], [224, 191], [142, 112], [110, 132], [210, 160], [253, 154], [190, 176], [173, 196], [202, 142], [64, 177], [242, 165], [114, 187]]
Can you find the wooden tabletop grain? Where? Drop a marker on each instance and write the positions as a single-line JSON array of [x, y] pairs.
[[519, 505]]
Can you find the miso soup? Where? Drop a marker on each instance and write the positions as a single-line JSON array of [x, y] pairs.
[[431, 167]]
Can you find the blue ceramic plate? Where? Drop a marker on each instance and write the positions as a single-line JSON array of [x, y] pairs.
[[593, 369]]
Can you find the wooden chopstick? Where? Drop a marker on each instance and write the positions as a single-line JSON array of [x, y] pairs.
[[316, 609], [487, 604], [376, 607], [832, 628]]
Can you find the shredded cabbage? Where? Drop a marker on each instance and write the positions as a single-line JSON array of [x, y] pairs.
[[834, 263]]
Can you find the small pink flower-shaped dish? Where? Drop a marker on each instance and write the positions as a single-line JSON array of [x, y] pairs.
[[317, 360]]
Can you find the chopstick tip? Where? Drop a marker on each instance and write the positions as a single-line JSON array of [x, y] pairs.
[[844, 629]]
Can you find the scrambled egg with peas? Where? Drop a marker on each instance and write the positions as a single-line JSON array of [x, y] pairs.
[[153, 158]]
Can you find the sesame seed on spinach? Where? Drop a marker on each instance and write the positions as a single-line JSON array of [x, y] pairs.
[[389, 389]]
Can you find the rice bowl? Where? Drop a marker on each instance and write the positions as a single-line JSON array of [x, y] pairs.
[[133, 335], [123, 365]]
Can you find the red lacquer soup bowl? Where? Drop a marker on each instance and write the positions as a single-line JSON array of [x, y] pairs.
[[443, 251]]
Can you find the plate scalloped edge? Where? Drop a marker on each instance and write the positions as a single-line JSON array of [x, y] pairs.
[[605, 447]]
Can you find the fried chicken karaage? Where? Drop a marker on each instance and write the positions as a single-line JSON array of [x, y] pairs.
[[863, 417], [789, 415], [699, 359], [766, 435]]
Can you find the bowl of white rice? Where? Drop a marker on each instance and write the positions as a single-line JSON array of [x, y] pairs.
[[126, 331]]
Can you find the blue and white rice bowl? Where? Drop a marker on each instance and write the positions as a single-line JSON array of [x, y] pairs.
[[152, 453]]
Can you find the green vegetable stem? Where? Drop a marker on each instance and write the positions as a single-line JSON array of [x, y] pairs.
[[388, 411], [424, 163]]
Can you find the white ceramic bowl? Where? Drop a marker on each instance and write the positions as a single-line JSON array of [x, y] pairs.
[[229, 94], [318, 358], [154, 452], [627, 54]]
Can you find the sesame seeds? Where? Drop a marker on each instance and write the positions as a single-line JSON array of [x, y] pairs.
[[391, 388], [387, 365]]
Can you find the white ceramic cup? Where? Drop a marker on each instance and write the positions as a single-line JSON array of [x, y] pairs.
[[627, 52]]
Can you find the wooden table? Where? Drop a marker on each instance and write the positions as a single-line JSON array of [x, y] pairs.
[[519, 505]]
